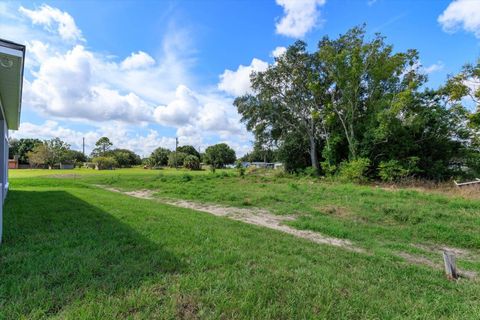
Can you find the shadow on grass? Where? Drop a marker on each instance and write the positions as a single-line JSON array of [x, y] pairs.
[[58, 249]]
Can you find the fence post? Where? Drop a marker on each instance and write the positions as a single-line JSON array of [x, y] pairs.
[[450, 266]]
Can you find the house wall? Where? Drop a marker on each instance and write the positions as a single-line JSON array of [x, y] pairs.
[[3, 169]]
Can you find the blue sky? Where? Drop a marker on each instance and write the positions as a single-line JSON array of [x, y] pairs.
[[143, 72]]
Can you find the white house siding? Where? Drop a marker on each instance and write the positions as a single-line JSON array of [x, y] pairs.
[[12, 57], [3, 169]]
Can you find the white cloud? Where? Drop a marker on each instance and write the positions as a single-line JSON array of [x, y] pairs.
[[180, 111], [65, 86], [137, 61], [300, 17], [237, 82], [278, 51], [54, 20], [434, 67], [461, 14], [194, 114]]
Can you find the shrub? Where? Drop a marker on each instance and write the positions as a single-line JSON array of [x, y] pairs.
[[186, 177], [191, 162], [354, 170], [391, 171], [103, 163], [240, 168], [328, 168], [394, 170], [89, 165], [309, 172]]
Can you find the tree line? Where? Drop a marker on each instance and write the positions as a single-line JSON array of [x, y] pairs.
[[216, 156], [51, 153], [354, 107]]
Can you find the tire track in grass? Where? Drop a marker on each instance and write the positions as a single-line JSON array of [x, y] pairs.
[[255, 216], [263, 218]]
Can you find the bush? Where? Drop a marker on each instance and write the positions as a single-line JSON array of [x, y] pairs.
[[104, 163], [191, 162], [186, 178], [394, 170], [328, 168], [354, 170], [308, 172], [240, 168]]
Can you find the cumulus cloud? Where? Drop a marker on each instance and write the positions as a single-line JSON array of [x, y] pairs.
[[278, 51], [461, 14], [180, 111], [194, 114], [300, 16], [54, 20], [137, 60], [237, 82], [64, 86]]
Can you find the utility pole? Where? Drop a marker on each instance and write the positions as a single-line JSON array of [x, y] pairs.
[[176, 147], [83, 148]]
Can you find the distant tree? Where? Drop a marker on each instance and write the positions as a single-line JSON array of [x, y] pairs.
[[105, 163], [219, 155], [260, 154], [38, 156], [189, 150], [293, 153], [124, 157], [159, 157], [50, 153], [175, 159], [20, 148], [57, 151], [76, 156], [101, 146], [191, 162]]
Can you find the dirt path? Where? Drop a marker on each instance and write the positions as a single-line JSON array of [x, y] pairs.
[[261, 217], [254, 216]]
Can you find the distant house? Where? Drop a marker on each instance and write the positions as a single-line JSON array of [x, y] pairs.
[[263, 165], [13, 163], [12, 57]]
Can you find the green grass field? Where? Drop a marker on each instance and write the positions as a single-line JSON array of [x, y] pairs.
[[72, 250]]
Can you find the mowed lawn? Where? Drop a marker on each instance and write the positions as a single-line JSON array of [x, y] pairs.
[[74, 251]]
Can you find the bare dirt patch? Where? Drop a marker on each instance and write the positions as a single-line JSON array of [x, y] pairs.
[[334, 210], [64, 176], [143, 194], [418, 260], [187, 307], [255, 216], [459, 252]]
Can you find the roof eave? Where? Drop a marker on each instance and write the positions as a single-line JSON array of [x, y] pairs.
[[18, 50]]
